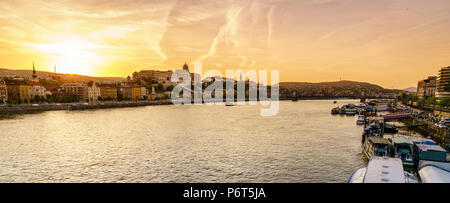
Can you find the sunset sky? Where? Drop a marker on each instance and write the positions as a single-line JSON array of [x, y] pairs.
[[392, 43]]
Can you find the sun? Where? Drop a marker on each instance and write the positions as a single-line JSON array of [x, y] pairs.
[[72, 56]]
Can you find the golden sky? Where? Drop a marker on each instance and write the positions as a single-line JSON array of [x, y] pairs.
[[393, 43]]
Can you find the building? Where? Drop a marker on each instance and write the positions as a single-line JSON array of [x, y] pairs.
[[443, 83], [36, 89], [108, 91], [124, 92], [93, 91], [144, 92], [426, 88], [136, 92], [18, 91], [158, 76], [79, 90], [3, 92], [34, 75]]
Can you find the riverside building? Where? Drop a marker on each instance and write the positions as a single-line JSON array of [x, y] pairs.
[[3, 92], [443, 83], [426, 88]]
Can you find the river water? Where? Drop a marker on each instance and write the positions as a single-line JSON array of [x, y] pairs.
[[303, 143]]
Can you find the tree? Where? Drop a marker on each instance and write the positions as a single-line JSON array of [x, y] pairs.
[[159, 88], [37, 98], [444, 102], [170, 88]]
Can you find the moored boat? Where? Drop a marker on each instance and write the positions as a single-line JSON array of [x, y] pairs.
[[382, 170], [402, 149], [434, 172], [376, 146], [335, 110], [361, 120], [351, 112]]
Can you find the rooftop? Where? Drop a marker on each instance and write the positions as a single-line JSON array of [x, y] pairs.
[[384, 170], [426, 147]]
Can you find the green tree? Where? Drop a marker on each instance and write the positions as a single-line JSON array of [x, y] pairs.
[[159, 88], [37, 98]]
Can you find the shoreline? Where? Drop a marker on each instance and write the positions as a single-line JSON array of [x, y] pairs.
[[14, 109], [29, 109]]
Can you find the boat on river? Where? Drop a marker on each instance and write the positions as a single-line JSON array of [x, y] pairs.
[[351, 112], [376, 146], [335, 110], [382, 170], [434, 172], [374, 127], [229, 104], [361, 120], [402, 148]]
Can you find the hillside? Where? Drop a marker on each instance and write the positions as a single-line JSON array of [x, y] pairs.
[[411, 89], [68, 77], [343, 83], [333, 89]]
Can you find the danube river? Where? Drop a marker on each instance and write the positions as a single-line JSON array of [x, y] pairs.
[[303, 143]]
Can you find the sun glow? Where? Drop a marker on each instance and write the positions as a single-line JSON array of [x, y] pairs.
[[73, 56]]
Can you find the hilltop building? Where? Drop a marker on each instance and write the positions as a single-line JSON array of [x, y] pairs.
[[426, 88], [443, 83], [158, 76]]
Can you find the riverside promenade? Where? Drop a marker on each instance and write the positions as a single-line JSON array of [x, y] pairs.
[[33, 108]]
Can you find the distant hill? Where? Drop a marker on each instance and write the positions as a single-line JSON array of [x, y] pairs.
[[343, 88], [69, 77], [337, 84], [411, 89]]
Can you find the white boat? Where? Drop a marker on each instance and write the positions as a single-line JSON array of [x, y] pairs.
[[382, 170], [351, 112], [434, 172], [361, 120], [229, 104]]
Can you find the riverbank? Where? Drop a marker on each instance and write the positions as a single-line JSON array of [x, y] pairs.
[[29, 108]]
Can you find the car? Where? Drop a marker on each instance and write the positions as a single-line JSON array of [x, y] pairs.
[[34, 104], [58, 104], [85, 103]]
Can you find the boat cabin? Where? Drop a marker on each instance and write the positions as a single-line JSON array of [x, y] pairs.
[[376, 146], [402, 149], [429, 152]]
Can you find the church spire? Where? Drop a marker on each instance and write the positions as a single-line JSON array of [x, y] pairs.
[[186, 67], [34, 71]]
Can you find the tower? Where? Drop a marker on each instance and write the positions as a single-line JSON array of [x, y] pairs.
[[186, 67], [34, 72]]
